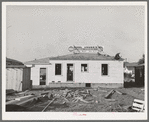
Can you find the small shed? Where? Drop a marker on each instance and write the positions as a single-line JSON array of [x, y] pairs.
[[17, 75], [139, 75]]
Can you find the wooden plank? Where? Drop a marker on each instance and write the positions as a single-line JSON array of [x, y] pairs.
[[7, 79], [110, 100], [138, 105], [11, 102], [23, 92], [14, 79], [119, 92], [10, 81], [21, 74], [28, 100], [48, 105], [19, 79], [109, 94], [24, 97], [25, 101], [19, 82], [138, 101], [18, 99]]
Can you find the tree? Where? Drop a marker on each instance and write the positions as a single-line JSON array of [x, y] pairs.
[[142, 60]]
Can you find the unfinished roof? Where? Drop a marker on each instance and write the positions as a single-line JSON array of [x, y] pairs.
[[80, 56]]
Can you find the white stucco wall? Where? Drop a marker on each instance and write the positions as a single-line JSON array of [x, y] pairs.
[[115, 72]]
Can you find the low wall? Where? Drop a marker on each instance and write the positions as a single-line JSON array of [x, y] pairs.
[[78, 85]]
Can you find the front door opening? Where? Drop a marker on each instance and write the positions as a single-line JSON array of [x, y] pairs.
[[69, 72], [42, 76]]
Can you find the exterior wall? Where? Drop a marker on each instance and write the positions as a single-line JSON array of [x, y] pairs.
[[115, 72], [35, 73], [14, 78]]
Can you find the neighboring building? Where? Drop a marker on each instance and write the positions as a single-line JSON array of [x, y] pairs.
[[77, 70], [139, 75], [14, 74], [131, 66], [13, 62], [17, 75]]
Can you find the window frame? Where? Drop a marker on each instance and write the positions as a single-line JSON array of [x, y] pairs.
[[107, 74], [55, 69], [87, 68]]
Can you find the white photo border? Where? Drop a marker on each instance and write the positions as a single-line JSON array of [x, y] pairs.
[[69, 115]]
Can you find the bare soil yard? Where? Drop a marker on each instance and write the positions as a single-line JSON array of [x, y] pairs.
[[78, 100]]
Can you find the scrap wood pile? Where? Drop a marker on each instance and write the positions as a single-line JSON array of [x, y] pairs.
[[87, 100], [58, 96]]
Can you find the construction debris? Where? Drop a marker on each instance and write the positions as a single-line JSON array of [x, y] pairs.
[[119, 92], [109, 94], [48, 105], [10, 91], [127, 107], [138, 105], [70, 100], [23, 100], [24, 97], [23, 93], [111, 100]]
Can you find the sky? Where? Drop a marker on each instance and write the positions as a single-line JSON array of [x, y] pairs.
[[35, 32]]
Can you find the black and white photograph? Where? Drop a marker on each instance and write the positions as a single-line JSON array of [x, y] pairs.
[[74, 60]]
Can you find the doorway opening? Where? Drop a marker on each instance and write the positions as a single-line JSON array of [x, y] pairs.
[[70, 72], [42, 76]]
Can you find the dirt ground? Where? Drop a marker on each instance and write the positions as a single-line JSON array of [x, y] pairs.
[[96, 101]]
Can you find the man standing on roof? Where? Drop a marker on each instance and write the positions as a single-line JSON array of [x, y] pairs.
[[117, 56]]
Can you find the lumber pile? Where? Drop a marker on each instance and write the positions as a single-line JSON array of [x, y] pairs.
[[45, 100], [61, 96], [69, 96]]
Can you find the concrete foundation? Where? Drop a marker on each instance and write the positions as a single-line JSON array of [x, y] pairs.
[[79, 85]]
